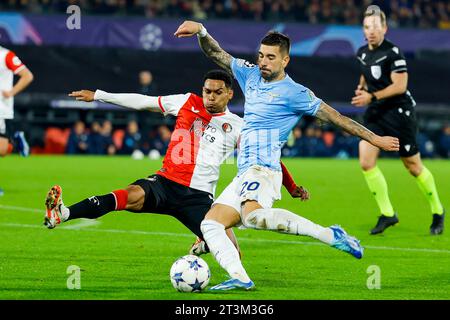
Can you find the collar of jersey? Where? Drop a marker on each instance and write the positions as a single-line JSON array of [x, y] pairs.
[[218, 114], [382, 43]]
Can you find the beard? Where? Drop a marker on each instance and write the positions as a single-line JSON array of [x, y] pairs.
[[269, 76]]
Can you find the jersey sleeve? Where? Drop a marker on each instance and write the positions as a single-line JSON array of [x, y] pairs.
[[398, 61], [305, 102], [13, 62], [242, 69], [173, 103]]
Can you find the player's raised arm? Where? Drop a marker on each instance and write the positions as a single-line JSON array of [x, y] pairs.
[[128, 100], [328, 114], [208, 44]]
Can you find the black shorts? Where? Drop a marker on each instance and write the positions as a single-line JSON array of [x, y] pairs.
[[400, 122], [164, 196]]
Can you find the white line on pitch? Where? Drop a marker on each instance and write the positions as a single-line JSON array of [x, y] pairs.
[[21, 209], [81, 224], [172, 234]]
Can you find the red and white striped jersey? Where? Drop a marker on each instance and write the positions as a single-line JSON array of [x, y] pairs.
[[10, 64], [200, 143]]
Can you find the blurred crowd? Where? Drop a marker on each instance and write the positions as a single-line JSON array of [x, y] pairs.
[[305, 141], [400, 13], [316, 141], [102, 139]]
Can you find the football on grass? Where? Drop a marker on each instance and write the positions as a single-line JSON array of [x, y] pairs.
[[190, 274]]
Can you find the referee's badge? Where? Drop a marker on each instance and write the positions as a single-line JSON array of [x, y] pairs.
[[376, 71]]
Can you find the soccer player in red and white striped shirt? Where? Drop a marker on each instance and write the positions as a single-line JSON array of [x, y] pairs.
[[206, 133], [10, 65]]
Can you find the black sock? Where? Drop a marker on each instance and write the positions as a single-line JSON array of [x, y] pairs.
[[93, 207]]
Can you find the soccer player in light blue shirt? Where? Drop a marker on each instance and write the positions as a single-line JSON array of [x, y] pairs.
[[274, 103], [272, 109]]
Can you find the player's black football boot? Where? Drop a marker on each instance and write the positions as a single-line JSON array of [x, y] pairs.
[[437, 226], [383, 223]]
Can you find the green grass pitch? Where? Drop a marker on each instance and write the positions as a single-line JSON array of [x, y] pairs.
[[128, 256]]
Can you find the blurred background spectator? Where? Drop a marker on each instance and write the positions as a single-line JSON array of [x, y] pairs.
[[95, 139], [106, 141], [161, 140], [346, 145], [147, 84], [78, 139], [444, 142], [132, 139]]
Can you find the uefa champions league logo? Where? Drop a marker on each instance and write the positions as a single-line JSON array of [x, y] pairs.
[[151, 37]]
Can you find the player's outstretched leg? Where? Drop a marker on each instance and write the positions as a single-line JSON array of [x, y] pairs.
[[284, 221], [91, 208], [226, 255], [223, 249]]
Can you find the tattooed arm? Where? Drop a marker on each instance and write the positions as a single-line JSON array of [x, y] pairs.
[[212, 49], [208, 44], [328, 114]]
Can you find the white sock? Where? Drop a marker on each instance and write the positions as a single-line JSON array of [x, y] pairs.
[[284, 221], [65, 212], [223, 249]]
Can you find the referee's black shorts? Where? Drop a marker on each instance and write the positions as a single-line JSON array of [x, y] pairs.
[[400, 122], [164, 196]]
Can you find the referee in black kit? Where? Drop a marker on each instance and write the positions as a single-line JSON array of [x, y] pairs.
[[383, 86]]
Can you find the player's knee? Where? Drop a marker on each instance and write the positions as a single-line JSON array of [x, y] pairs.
[[367, 164], [258, 219], [213, 214], [136, 195], [415, 169]]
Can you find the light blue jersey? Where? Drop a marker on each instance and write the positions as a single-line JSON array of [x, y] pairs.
[[272, 109]]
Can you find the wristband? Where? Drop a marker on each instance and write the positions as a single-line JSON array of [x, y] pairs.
[[202, 33], [374, 97]]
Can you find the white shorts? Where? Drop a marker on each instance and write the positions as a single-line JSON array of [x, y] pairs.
[[257, 183], [2, 127]]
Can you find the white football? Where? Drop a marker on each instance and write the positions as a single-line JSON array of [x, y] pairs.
[[190, 274]]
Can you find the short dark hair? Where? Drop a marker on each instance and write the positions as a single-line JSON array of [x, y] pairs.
[[219, 75], [275, 38]]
